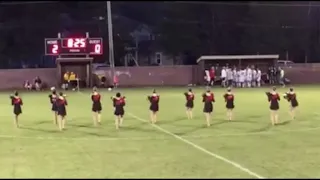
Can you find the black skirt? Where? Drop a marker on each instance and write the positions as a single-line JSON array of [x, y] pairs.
[[96, 107], [54, 107], [294, 103], [230, 106], [189, 104], [274, 106], [17, 109], [208, 107], [154, 107], [62, 111], [119, 111]]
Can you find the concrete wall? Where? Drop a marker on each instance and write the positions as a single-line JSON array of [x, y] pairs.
[[148, 76]]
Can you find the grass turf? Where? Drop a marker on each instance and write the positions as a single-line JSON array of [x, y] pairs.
[[39, 150]]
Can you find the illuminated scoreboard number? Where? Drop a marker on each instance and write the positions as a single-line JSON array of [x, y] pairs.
[[95, 46], [74, 46], [52, 47]]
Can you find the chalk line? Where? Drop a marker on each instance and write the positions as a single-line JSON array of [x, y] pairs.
[[242, 168]]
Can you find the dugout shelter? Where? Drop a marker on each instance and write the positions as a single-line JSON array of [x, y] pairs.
[[240, 61]]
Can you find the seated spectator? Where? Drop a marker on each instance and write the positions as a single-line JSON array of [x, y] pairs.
[[38, 83], [27, 85]]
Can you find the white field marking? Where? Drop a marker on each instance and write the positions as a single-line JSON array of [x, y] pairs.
[[201, 148]]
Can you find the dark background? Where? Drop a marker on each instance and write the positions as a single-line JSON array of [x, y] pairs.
[[291, 29]]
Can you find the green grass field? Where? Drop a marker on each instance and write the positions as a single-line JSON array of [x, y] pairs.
[[176, 147]]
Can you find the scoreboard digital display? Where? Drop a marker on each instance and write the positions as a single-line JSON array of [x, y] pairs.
[[73, 46]]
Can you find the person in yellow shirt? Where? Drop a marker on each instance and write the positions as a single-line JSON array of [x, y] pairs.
[[73, 79], [66, 80]]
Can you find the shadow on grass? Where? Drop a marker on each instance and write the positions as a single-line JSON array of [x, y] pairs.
[[262, 129], [88, 125], [43, 122], [191, 130], [40, 130], [284, 123], [175, 120]]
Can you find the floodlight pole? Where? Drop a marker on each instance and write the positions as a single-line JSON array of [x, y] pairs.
[[110, 35]]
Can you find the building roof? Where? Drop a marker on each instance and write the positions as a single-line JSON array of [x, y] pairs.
[[231, 57]]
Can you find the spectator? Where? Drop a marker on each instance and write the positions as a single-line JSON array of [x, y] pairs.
[[38, 83], [281, 78], [212, 76], [66, 80], [27, 85], [73, 80]]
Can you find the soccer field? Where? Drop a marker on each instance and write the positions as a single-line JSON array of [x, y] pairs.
[[175, 147]]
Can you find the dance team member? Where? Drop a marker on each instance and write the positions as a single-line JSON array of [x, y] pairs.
[[118, 104], [96, 106], [291, 96], [61, 110], [154, 106], [16, 102], [189, 104], [53, 98], [274, 98], [208, 99], [229, 99]]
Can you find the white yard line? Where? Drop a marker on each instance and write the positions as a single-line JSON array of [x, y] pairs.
[[201, 148]]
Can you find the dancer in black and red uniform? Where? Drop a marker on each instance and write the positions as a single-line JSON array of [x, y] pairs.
[[118, 104], [229, 99], [96, 106], [154, 106], [53, 98], [291, 96], [208, 99], [189, 104], [16, 102], [274, 98], [61, 110]]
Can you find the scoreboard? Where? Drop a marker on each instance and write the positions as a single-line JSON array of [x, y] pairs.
[[73, 46]]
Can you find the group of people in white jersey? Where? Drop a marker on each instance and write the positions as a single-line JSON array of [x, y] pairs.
[[246, 77]]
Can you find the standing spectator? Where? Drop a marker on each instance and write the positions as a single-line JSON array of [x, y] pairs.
[[223, 77], [73, 80], [212, 76], [281, 77], [27, 85], [38, 83], [66, 81]]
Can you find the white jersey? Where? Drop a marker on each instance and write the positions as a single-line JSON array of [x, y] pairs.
[[223, 73], [238, 75], [254, 74], [242, 75], [207, 77], [258, 75], [249, 74], [229, 74], [235, 75]]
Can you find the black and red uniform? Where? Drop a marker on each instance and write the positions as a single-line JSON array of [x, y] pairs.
[[229, 99], [96, 102], [16, 102], [190, 99], [53, 98], [274, 99], [292, 98], [208, 99], [61, 106], [118, 104], [154, 102]]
